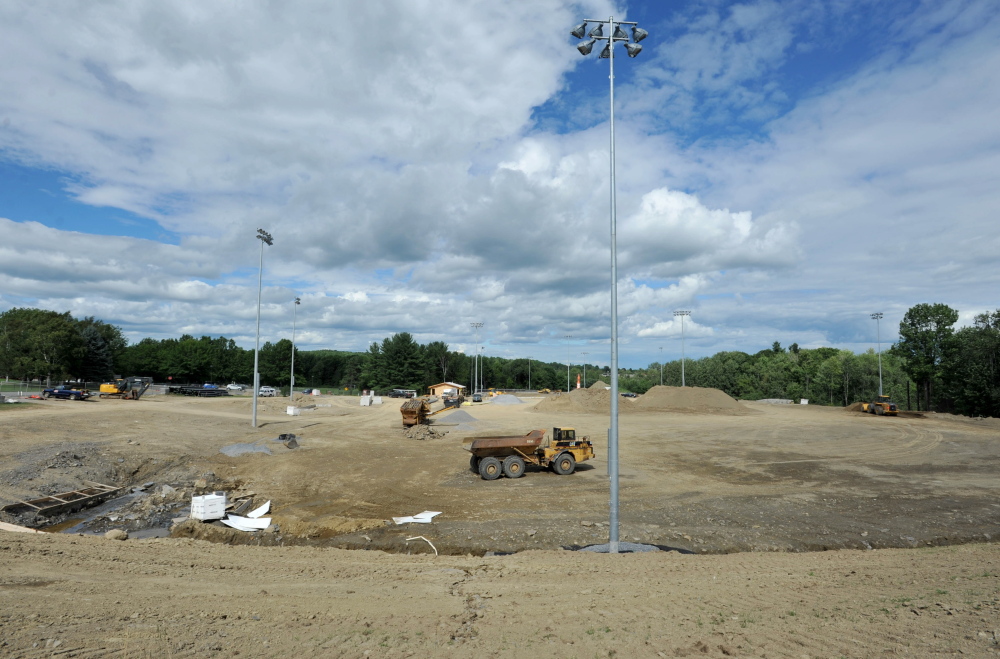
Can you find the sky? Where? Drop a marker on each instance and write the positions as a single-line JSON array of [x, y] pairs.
[[783, 170]]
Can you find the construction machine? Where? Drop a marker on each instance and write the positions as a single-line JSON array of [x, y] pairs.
[[493, 457], [131, 388], [882, 406], [417, 410]]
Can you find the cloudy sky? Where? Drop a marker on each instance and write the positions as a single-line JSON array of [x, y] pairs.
[[784, 169]]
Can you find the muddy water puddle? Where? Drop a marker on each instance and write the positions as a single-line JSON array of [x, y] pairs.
[[115, 514]]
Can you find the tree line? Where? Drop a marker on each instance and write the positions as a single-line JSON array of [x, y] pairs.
[[931, 367]]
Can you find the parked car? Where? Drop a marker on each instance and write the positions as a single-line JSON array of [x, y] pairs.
[[477, 398], [268, 391], [629, 394], [235, 387]]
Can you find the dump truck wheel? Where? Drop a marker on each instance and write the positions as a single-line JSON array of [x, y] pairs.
[[513, 466], [490, 469], [474, 464], [564, 464], [879, 411]]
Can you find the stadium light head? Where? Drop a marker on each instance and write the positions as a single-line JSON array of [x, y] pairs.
[[619, 34], [586, 46], [633, 49], [598, 31], [579, 30], [638, 34], [265, 237], [606, 53]]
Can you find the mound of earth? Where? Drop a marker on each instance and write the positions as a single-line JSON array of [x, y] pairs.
[[507, 399], [702, 400], [853, 407], [586, 401], [458, 416], [598, 385]]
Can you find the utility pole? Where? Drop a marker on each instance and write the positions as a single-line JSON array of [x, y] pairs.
[[265, 239], [476, 373], [291, 382], [661, 366], [682, 314], [877, 316], [568, 337], [584, 368]]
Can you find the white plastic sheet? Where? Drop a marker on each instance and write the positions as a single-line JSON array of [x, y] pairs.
[[425, 517]]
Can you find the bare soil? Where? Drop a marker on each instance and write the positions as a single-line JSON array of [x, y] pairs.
[[747, 499]]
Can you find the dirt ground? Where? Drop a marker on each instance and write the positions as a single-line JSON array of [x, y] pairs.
[[747, 500]]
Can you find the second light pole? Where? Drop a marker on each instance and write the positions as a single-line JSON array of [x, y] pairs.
[[877, 316], [291, 381], [615, 33], [265, 239], [682, 314]]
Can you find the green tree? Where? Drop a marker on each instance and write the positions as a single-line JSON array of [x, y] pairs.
[[924, 336]]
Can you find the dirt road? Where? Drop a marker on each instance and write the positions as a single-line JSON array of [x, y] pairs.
[[766, 483]]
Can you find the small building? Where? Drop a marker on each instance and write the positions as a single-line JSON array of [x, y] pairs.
[[446, 389]]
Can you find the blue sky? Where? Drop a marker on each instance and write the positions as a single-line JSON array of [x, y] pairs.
[[783, 169]]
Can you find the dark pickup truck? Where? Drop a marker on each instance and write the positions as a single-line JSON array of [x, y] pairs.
[[66, 392]]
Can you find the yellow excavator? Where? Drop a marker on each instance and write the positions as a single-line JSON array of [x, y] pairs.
[[131, 388]]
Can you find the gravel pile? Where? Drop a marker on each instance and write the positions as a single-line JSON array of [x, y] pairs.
[[458, 416], [235, 450], [507, 399]]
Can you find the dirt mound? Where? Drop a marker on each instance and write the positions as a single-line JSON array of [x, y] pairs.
[[458, 416], [598, 385], [507, 399], [853, 407], [689, 399], [585, 401]]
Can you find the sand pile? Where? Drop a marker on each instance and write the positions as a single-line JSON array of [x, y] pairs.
[[507, 399], [599, 385], [586, 401], [689, 399], [853, 407], [458, 416]]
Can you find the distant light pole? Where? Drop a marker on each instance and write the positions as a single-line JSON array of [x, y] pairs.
[[877, 316], [529, 373], [568, 337], [475, 360], [584, 368], [682, 314], [265, 239], [291, 382], [616, 33], [661, 366]]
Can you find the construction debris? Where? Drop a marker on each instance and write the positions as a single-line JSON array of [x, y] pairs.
[[425, 517]]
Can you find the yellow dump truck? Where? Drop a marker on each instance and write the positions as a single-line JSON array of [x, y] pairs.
[[493, 457]]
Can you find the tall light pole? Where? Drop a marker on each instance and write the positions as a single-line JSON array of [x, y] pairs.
[[475, 359], [661, 366], [291, 381], [616, 33], [265, 239], [584, 368], [877, 316], [529, 373], [682, 314], [568, 337]]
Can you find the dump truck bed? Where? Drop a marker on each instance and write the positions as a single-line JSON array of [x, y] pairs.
[[483, 446]]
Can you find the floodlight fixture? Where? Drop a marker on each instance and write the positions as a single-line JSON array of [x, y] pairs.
[[616, 33], [638, 34], [579, 30], [586, 46], [633, 49]]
